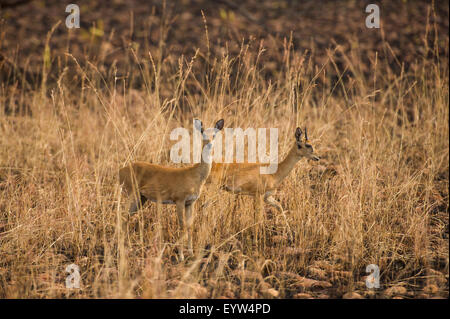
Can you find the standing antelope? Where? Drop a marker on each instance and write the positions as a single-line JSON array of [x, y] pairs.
[[245, 178], [169, 185]]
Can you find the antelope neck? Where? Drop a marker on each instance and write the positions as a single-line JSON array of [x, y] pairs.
[[285, 167]]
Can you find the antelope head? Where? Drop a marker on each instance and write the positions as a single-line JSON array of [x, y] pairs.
[[304, 149], [208, 137]]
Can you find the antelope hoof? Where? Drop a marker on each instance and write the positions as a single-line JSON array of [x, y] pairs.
[[290, 237], [131, 214], [181, 255]]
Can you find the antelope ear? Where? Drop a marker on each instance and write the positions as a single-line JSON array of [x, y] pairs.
[[298, 133], [198, 125], [219, 124]]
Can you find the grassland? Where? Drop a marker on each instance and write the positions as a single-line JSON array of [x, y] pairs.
[[377, 115]]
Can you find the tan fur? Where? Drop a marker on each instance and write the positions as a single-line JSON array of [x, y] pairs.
[[167, 185], [245, 178], [157, 182]]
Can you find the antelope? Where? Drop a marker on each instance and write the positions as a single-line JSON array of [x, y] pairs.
[[170, 185], [245, 178]]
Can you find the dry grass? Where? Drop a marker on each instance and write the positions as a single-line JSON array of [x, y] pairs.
[[379, 195]]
